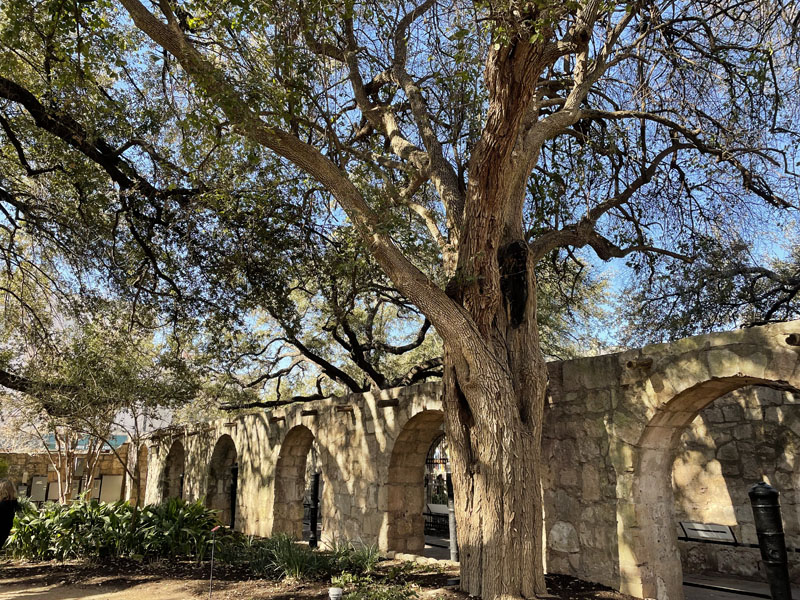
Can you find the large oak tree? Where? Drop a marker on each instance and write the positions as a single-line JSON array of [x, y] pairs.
[[647, 131]]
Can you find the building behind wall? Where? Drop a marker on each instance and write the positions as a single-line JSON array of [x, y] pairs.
[[37, 479]]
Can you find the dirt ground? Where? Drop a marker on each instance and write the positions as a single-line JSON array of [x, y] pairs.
[[181, 581]]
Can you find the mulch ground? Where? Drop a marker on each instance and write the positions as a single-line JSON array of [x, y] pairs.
[[234, 583]]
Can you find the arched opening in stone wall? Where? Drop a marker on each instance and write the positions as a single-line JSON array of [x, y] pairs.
[[140, 474], [223, 481], [172, 477], [437, 514], [290, 482], [653, 485], [313, 469], [405, 486], [746, 436]]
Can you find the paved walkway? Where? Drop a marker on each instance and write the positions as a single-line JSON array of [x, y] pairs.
[[734, 588], [437, 547]]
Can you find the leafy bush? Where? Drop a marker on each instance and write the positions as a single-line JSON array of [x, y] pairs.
[[89, 529], [3, 468], [347, 557], [280, 556], [364, 587], [176, 528]]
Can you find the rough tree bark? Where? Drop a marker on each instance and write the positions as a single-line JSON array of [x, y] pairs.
[[493, 424], [494, 386]]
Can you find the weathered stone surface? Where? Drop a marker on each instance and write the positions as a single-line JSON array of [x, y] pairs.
[[563, 537]]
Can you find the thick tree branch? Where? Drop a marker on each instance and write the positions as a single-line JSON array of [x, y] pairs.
[[442, 173], [429, 368], [423, 331], [98, 150], [39, 390]]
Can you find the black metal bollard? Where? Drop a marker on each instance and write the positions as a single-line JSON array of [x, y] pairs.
[[769, 527], [312, 535], [451, 519]]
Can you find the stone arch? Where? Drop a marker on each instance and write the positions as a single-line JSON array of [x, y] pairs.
[[141, 476], [222, 481], [405, 485], [290, 484], [174, 468], [653, 547]]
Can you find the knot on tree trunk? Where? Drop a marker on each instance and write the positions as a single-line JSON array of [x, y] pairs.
[[513, 261]]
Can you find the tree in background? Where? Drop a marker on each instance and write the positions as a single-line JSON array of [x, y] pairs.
[[730, 285], [209, 153]]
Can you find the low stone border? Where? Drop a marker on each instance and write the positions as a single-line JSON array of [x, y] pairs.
[[422, 560]]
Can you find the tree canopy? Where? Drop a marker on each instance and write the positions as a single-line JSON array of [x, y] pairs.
[[106, 175]]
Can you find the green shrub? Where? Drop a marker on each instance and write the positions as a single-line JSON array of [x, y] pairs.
[[280, 556], [347, 557], [175, 528], [364, 587], [89, 529], [3, 468]]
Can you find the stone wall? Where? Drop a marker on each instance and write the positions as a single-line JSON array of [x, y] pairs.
[[611, 434], [612, 429], [371, 452]]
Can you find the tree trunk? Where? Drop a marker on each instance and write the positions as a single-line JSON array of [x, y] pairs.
[[494, 401]]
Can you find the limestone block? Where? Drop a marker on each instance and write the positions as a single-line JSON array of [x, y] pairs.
[[781, 364], [586, 534], [627, 427], [571, 375], [743, 432], [738, 561], [590, 484], [568, 477], [558, 563], [686, 371], [751, 469], [723, 363], [594, 427], [794, 426], [728, 452], [598, 400], [784, 482], [563, 537], [733, 413], [588, 449], [786, 461]]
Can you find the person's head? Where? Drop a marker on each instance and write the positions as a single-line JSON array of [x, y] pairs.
[[7, 490]]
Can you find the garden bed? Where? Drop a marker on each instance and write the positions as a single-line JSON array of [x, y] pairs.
[[126, 579]]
